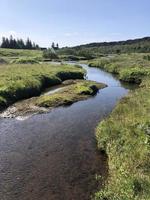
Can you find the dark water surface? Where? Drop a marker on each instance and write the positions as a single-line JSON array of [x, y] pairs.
[[53, 156]]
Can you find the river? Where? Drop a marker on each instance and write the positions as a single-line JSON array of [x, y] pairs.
[[53, 156]]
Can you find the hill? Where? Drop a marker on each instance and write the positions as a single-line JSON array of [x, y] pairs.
[[140, 45]]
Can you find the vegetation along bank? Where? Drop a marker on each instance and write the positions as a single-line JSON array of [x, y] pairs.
[[125, 134], [23, 81], [71, 91]]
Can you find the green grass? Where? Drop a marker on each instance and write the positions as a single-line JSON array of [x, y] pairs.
[[19, 53], [24, 81], [125, 135], [129, 67], [11, 54], [79, 90]]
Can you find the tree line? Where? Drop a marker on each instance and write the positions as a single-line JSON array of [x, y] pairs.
[[13, 43]]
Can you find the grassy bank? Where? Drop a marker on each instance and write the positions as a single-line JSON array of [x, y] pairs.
[[79, 90], [24, 81], [71, 91], [129, 67], [125, 135]]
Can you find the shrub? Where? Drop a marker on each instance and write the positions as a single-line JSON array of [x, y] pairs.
[[50, 54], [133, 75]]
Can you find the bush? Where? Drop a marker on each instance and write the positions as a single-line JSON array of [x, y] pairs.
[[133, 75], [86, 54], [50, 54]]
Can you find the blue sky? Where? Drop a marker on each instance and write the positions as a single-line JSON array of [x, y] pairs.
[[73, 22]]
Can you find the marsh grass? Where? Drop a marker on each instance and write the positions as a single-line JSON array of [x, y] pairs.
[[125, 135], [129, 67], [24, 81], [79, 90]]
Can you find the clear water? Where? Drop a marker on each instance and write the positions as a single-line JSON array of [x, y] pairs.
[[53, 156]]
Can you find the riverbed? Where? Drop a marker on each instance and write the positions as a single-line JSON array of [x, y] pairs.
[[53, 156]]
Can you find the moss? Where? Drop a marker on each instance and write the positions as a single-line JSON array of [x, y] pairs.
[[78, 91]]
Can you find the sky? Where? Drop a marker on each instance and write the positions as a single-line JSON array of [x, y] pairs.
[[74, 22]]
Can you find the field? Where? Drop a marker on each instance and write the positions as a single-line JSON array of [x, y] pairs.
[[125, 135], [12, 54]]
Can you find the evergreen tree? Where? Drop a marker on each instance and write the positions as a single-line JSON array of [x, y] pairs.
[[7, 43], [50, 54], [17, 44], [53, 45], [57, 46], [34, 45], [21, 44], [37, 46], [3, 45], [28, 44], [11, 42]]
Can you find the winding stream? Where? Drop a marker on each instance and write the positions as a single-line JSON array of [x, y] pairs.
[[53, 156]]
